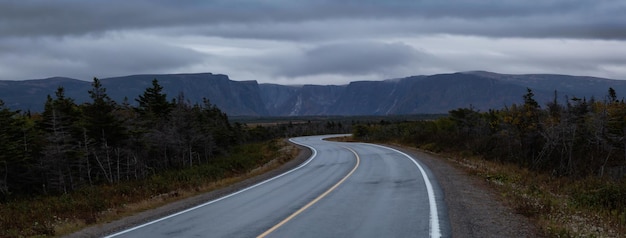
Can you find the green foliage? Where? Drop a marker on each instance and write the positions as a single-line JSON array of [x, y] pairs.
[[75, 159], [529, 100], [100, 119], [581, 139], [69, 146], [601, 195], [15, 149], [153, 103], [38, 215], [360, 131]]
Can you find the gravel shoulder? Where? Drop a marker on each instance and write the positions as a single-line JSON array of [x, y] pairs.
[[474, 208]]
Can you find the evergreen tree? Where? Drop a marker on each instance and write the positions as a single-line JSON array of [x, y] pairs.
[[60, 124], [13, 150], [101, 121], [612, 95], [529, 100], [153, 103], [106, 129]]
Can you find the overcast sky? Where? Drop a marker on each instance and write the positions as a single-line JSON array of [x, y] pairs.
[[314, 42]]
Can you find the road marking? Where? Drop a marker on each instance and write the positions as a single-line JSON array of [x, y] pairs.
[[358, 161], [434, 215], [225, 197]]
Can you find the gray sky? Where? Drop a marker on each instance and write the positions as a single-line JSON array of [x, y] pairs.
[[315, 42]]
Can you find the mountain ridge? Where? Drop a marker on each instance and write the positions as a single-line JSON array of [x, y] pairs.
[[437, 93]]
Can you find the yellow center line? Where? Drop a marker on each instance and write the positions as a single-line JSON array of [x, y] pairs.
[[358, 161]]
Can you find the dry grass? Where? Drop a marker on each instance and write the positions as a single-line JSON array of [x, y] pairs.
[[342, 139], [46, 216], [283, 155], [551, 202]]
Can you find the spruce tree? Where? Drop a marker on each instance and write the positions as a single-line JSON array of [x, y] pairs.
[[100, 120], [60, 124], [153, 103]]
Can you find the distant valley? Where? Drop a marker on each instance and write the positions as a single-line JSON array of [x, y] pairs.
[[411, 95]]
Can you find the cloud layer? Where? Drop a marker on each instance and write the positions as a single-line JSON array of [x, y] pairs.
[[296, 41]]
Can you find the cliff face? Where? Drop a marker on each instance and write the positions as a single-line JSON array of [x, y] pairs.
[[233, 97], [281, 100], [412, 95]]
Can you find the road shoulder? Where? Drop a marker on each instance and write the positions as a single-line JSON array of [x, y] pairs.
[[153, 214], [474, 208]]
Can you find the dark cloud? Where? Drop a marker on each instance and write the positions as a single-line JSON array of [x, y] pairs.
[[89, 57], [301, 39], [352, 58], [555, 18]]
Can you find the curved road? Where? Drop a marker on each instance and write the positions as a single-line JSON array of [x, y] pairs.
[[343, 190]]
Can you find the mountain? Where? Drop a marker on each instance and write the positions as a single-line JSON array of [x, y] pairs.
[[411, 95], [573, 85], [31, 94], [427, 94], [234, 97], [281, 100], [430, 94]]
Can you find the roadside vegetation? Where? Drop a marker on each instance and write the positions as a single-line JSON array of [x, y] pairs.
[[75, 165], [64, 213], [563, 166]]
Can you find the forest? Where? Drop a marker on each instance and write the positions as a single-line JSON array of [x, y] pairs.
[[68, 146], [579, 138], [555, 164]]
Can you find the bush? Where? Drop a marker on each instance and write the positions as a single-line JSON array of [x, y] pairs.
[[607, 195]]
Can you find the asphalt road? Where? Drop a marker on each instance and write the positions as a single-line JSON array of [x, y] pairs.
[[344, 190]]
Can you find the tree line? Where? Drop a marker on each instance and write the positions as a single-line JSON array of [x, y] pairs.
[[69, 146], [576, 138]]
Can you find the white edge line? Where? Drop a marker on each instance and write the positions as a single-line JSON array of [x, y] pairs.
[[225, 197], [434, 216]]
